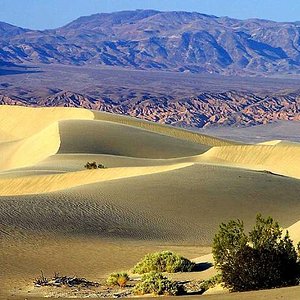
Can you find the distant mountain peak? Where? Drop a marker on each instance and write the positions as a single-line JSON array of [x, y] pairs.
[[149, 39]]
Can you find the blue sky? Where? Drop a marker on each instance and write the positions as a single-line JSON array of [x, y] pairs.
[[46, 14]]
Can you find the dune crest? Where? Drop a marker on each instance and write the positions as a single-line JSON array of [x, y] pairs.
[[164, 129], [18, 122], [31, 150], [270, 143], [282, 159]]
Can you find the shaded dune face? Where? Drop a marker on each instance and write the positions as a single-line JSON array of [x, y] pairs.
[[101, 137], [178, 133]]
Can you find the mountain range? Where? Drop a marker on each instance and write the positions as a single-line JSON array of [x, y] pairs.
[[139, 63], [205, 110], [149, 39]]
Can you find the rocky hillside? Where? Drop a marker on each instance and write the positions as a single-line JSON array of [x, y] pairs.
[[205, 110], [175, 41]]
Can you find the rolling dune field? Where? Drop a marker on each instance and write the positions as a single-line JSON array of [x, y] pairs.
[[162, 188]]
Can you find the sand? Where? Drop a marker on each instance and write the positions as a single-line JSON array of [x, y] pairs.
[[40, 184], [294, 232], [30, 150], [279, 158], [163, 188]]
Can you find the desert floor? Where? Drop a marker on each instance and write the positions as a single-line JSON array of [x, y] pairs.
[[163, 189]]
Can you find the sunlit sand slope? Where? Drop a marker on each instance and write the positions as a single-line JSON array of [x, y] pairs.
[[48, 183], [30, 150], [17, 122], [294, 232], [282, 158]]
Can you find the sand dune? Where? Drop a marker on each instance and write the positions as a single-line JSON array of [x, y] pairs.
[[283, 159], [31, 150], [18, 122], [49, 183], [164, 129], [164, 188], [294, 232], [270, 143], [103, 137], [148, 207]]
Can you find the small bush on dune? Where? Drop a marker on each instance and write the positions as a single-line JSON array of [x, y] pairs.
[[164, 261], [157, 284], [118, 279], [93, 165]]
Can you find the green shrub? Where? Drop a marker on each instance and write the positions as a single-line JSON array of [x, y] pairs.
[[157, 284], [164, 261], [118, 279], [263, 259], [211, 282]]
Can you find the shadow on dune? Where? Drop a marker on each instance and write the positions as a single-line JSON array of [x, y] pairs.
[[202, 266]]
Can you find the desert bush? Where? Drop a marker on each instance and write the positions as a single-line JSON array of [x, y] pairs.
[[157, 284], [211, 282], [262, 259], [93, 165], [164, 261], [118, 279]]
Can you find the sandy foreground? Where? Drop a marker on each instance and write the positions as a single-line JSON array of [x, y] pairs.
[[163, 189]]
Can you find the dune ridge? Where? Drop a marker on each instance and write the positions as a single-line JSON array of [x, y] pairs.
[[282, 159], [29, 135], [18, 122], [164, 129], [30, 150], [45, 132], [41, 184]]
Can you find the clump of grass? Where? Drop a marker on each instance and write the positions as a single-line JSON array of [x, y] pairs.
[[41, 280], [118, 279], [165, 261], [157, 284]]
